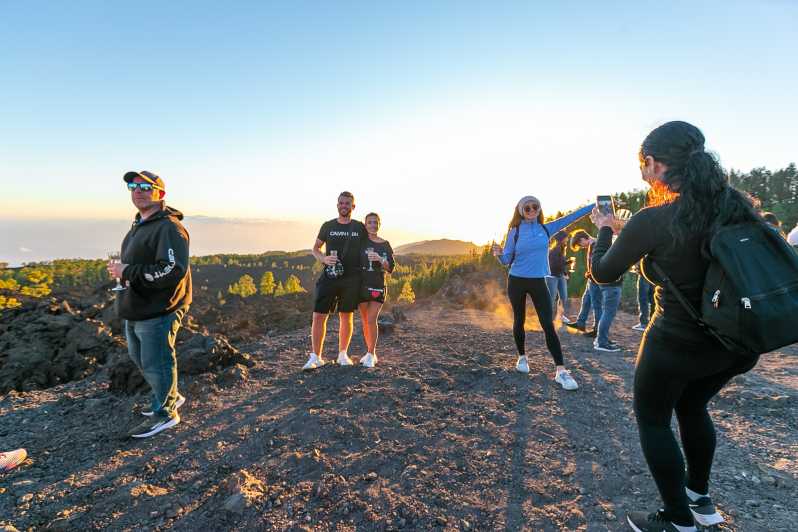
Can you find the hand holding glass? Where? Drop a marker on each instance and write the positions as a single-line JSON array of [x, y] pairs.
[[495, 248], [114, 258], [369, 253]]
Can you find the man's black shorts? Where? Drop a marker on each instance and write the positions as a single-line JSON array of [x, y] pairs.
[[337, 295]]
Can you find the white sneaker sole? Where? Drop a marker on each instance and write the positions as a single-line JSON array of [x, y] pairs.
[[309, 366], [631, 524], [345, 362], [180, 402], [570, 389], [160, 428], [707, 520]]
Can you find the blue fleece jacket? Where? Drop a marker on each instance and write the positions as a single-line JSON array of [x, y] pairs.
[[532, 248]]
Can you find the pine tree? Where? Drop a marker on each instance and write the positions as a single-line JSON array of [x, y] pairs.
[[245, 287], [407, 295], [293, 285], [280, 290], [267, 284]]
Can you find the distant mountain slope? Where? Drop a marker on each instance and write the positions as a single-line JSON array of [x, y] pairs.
[[437, 247]]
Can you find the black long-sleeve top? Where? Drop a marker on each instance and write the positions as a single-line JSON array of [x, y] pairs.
[[647, 236]]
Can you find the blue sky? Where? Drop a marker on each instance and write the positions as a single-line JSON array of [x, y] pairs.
[[438, 115]]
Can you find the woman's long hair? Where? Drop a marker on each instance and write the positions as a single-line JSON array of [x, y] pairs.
[[694, 182]]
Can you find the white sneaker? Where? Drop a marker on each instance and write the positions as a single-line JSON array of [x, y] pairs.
[[314, 361], [566, 381], [565, 320], [180, 402], [369, 360], [639, 327], [522, 366], [343, 359]]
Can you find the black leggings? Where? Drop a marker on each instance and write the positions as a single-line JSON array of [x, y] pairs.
[[517, 289], [678, 375]]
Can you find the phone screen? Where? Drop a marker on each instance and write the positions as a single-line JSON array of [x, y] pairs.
[[605, 204]]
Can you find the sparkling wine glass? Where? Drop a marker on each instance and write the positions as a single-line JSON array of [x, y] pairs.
[[368, 252], [114, 257]]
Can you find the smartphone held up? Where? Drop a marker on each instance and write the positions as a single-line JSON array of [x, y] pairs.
[[605, 205]]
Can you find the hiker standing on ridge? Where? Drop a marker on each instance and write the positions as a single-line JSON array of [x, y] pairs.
[[679, 366], [154, 268], [338, 286], [526, 252]]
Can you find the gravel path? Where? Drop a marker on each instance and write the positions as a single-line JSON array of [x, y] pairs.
[[442, 435]]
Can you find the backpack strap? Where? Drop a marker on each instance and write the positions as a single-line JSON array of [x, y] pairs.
[[515, 244], [515, 241], [690, 308]]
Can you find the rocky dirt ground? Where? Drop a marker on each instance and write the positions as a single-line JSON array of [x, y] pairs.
[[442, 435]]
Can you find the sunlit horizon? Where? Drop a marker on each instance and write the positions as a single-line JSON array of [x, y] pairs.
[[439, 117]]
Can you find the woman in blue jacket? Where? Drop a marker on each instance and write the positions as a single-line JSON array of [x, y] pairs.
[[526, 252]]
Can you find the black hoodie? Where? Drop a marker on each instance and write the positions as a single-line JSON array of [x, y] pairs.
[[157, 275]]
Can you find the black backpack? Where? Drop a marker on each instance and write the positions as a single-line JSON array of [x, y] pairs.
[[749, 302]]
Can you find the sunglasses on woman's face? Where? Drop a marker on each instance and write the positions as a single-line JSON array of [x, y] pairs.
[[144, 187], [531, 207]]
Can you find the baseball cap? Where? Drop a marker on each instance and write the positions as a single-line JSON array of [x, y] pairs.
[[149, 177]]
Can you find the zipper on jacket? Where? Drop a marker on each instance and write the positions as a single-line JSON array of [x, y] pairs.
[[716, 299], [746, 302]]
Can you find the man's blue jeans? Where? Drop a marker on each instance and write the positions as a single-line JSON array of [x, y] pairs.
[[644, 296], [610, 299], [151, 345], [558, 287], [590, 299]]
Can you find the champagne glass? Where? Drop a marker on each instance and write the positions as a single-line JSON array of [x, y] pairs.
[[115, 257], [332, 271], [369, 251]]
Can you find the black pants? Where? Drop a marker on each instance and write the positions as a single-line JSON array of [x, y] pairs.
[[517, 290], [682, 376]]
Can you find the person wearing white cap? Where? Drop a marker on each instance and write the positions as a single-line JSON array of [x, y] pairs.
[[526, 253], [792, 238]]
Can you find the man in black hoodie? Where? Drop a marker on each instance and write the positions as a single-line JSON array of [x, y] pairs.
[[154, 268]]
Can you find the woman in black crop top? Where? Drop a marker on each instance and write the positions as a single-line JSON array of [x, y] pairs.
[[376, 261], [679, 367]]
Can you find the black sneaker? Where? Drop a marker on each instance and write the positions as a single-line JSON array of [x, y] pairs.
[[704, 512], [654, 522], [151, 427], [591, 333], [180, 402], [610, 346], [576, 326]]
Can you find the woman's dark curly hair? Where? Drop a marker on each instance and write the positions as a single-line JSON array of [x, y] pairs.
[[694, 182]]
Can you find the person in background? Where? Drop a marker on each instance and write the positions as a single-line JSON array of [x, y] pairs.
[[774, 222], [605, 298], [591, 298], [526, 253], [376, 262], [680, 367], [557, 282]]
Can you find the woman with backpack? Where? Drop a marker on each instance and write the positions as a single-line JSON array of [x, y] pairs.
[[679, 366], [526, 252]]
